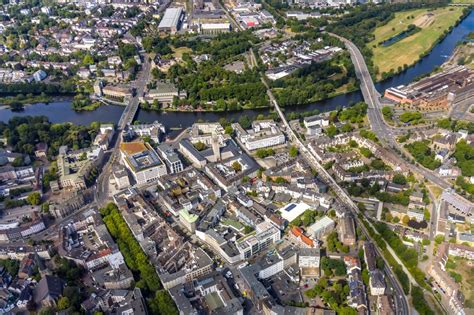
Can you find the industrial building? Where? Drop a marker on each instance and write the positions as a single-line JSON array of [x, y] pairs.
[[435, 92], [171, 21]]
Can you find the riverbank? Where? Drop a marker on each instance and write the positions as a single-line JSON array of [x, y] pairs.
[[59, 112], [25, 100], [435, 25]]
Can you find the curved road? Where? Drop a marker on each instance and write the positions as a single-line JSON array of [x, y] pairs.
[[383, 131]]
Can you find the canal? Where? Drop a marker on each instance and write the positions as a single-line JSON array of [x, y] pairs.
[[62, 112]]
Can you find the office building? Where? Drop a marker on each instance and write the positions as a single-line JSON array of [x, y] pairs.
[[143, 161]]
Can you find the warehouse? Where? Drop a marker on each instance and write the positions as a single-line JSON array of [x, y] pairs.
[[171, 21]]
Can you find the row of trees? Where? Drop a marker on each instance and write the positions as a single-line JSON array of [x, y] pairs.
[[136, 259], [66, 88], [396, 267], [409, 256]]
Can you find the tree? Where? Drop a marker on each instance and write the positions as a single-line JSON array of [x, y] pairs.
[[293, 152], [228, 130], [34, 198], [405, 219], [399, 179], [88, 60], [63, 303], [237, 166], [163, 304], [331, 131], [380, 263], [439, 239], [18, 161]]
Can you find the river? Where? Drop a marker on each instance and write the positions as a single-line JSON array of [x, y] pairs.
[[62, 112]]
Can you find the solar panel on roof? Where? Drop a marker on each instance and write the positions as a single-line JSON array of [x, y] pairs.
[[290, 207]]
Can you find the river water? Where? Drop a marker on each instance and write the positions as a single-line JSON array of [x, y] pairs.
[[62, 112]]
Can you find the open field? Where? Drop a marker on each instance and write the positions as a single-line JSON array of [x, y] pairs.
[[178, 52], [463, 1], [408, 50]]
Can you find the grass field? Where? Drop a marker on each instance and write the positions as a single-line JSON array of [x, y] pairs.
[[408, 50], [463, 1], [178, 52]]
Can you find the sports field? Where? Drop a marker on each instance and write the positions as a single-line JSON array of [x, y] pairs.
[[408, 50]]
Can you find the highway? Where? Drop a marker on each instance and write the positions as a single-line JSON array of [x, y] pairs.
[[401, 300]]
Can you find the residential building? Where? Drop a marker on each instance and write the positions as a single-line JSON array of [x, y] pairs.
[[48, 291], [377, 283]]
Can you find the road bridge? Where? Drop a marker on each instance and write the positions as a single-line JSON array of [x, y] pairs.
[[384, 132]]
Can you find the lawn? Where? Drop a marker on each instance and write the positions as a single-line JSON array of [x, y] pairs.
[[178, 52], [408, 50], [463, 1]]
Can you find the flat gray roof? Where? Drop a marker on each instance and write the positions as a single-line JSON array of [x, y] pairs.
[[171, 18]]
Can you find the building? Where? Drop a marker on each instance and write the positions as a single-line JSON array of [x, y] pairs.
[[75, 166], [416, 213], [165, 92], [316, 120], [264, 134], [116, 93], [377, 283], [143, 161], [48, 291], [188, 220], [321, 227], [461, 204], [346, 230], [171, 21], [103, 138], [293, 210], [370, 256], [266, 234], [171, 158], [308, 262], [196, 263], [120, 175], [215, 28], [39, 75], [41, 150], [154, 131], [211, 292], [434, 92]]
